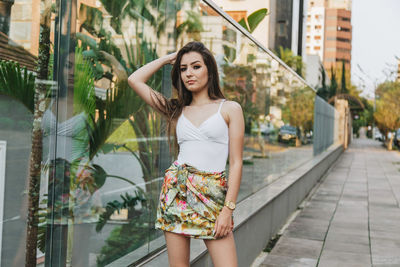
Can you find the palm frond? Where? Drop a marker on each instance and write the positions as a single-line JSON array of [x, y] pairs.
[[17, 83]]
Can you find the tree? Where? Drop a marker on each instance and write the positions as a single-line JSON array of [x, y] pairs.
[[343, 85], [346, 91], [387, 115], [290, 59], [299, 110], [36, 151]]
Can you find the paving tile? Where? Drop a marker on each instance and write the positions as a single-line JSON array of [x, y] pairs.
[[350, 247], [282, 261], [316, 234], [384, 234], [386, 260], [310, 222], [347, 230], [288, 246], [348, 238], [350, 224], [385, 242], [312, 214], [389, 226], [331, 258]]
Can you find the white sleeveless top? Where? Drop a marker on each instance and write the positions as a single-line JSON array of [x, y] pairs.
[[205, 147]]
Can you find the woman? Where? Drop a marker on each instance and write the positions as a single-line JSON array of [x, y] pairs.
[[196, 199]]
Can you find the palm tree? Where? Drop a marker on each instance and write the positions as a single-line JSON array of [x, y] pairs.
[[36, 151]]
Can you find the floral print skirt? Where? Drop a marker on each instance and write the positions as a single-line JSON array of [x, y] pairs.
[[190, 201]]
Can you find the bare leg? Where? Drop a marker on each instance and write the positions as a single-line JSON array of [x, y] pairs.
[[178, 248], [223, 251]]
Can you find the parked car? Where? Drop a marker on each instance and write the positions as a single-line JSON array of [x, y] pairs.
[[378, 135], [265, 129], [287, 133]]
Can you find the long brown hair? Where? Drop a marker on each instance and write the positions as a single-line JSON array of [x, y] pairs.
[[172, 108]]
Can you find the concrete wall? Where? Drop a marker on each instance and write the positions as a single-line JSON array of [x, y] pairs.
[[260, 216]]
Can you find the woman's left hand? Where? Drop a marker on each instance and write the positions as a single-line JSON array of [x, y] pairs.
[[224, 223]]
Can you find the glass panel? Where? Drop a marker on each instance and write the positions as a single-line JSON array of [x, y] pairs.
[[23, 152]]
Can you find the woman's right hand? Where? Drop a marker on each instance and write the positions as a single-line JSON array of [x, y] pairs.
[[171, 58]]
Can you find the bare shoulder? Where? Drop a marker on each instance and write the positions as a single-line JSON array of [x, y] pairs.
[[231, 110], [232, 107]]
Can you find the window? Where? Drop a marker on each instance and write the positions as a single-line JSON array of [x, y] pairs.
[[317, 37], [342, 59], [317, 48], [343, 40], [341, 29], [282, 28], [318, 27], [343, 50], [338, 39]]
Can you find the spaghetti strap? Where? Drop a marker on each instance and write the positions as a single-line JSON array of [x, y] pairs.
[[220, 105]]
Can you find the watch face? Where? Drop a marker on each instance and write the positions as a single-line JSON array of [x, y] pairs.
[[231, 205]]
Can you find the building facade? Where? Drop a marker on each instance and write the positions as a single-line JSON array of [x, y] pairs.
[[329, 34], [315, 36], [338, 33]]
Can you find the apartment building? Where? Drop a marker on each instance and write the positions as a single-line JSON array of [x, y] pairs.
[[337, 38], [315, 32], [329, 33]]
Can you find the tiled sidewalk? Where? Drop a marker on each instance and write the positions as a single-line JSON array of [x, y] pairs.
[[353, 218]]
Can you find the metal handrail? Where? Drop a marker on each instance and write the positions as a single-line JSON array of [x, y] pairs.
[[248, 35]]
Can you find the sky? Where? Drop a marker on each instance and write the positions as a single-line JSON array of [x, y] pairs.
[[376, 42]]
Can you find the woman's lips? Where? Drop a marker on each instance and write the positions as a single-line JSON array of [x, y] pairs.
[[191, 82]]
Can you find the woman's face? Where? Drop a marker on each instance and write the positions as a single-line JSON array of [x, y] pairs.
[[194, 73]]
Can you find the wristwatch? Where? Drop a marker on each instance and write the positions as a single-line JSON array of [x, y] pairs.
[[230, 205]]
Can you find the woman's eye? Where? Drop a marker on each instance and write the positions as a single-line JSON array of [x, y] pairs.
[[197, 67], [183, 69]]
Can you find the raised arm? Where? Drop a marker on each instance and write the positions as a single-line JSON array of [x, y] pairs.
[[137, 80]]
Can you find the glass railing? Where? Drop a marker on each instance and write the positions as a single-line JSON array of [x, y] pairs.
[[98, 150]]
